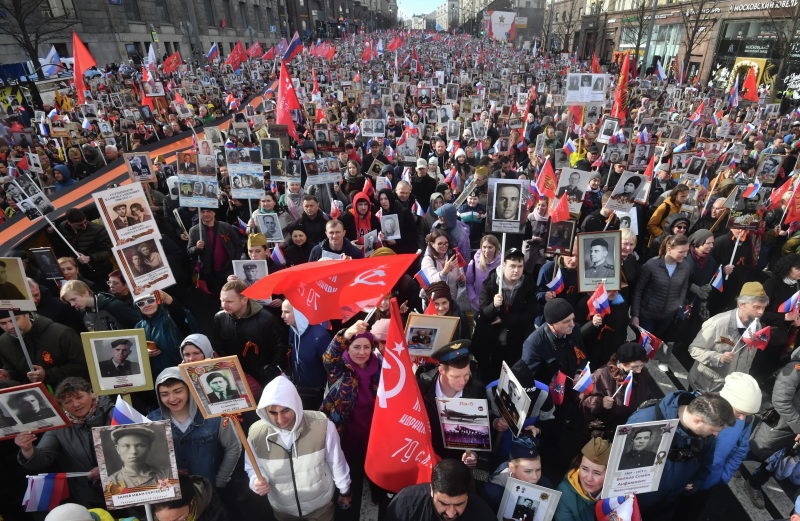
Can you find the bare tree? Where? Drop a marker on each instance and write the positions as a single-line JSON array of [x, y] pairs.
[[697, 18], [568, 22], [786, 40], [547, 27], [33, 23], [635, 25]]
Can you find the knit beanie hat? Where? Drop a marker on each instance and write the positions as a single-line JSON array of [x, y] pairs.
[[631, 352], [597, 450], [557, 310], [438, 290], [460, 152], [743, 393]]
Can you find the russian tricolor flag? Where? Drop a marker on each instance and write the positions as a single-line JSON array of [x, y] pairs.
[[619, 137], [598, 303], [628, 382], [416, 209], [422, 279], [213, 52], [718, 280], [295, 47], [125, 414], [45, 492], [791, 304], [752, 189], [557, 284], [644, 136], [277, 255], [569, 147], [624, 507], [650, 342], [584, 384], [679, 148], [749, 127], [662, 75]]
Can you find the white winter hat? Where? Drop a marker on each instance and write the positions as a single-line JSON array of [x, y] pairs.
[[742, 392], [69, 512]]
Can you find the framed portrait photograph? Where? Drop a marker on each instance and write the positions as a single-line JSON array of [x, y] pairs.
[[390, 226], [525, 501], [117, 360], [427, 333], [136, 463], [746, 213], [608, 129], [638, 454], [628, 189], [560, 237], [599, 260], [218, 386], [15, 295], [465, 423], [214, 135], [573, 183], [47, 262], [153, 89], [126, 213], [270, 226], [511, 400], [767, 169], [29, 408], [250, 271], [144, 264], [506, 212]]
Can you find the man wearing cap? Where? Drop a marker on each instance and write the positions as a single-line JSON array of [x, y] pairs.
[[122, 220], [250, 274], [551, 353], [452, 378], [422, 185], [701, 419], [118, 364], [597, 265], [718, 349], [133, 445]]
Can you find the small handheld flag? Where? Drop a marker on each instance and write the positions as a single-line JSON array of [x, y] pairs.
[[650, 342], [756, 339], [569, 147], [752, 189], [598, 303], [584, 384], [277, 255], [45, 492], [557, 284], [422, 279], [125, 414], [628, 382], [719, 279], [791, 304]]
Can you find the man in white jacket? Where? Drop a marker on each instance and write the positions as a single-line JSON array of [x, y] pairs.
[[299, 456]]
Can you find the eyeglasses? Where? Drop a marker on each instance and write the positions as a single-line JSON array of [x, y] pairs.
[[145, 302], [680, 227]]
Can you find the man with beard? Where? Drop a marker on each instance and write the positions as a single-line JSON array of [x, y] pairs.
[[445, 498]]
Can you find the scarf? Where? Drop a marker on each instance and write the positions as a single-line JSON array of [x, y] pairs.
[[535, 216], [572, 478], [79, 421], [699, 261], [294, 203]]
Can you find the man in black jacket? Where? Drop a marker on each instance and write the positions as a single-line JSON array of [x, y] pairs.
[[92, 243], [312, 220], [245, 329], [205, 239]]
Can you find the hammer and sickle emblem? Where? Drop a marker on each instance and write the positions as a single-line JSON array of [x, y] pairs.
[[364, 278]]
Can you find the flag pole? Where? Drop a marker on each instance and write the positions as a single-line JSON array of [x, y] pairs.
[[21, 340], [502, 259], [733, 254]]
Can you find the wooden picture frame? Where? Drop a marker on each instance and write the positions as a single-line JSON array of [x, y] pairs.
[[427, 333], [599, 260], [236, 397], [19, 414], [108, 373]]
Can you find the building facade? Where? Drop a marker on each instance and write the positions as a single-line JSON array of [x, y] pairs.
[[121, 30]]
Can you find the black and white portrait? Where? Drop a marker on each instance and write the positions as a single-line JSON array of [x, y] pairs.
[[507, 201], [250, 271], [390, 226], [599, 260]]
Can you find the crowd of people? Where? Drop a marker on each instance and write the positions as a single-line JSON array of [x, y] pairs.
[[458, 114]]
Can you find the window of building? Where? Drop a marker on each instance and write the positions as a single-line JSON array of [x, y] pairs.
[[257, 10], [209, 9], [243, 13], [228, 12], [132, 9], [162, 12], [56, 8]]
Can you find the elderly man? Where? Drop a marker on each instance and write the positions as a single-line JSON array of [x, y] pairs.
[[718, 349]]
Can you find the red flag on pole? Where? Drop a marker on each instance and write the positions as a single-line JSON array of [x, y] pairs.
[[621, 93], [287, 101], [82, 60], [237, 56], [400, 448], [749, 87], [651, 166], [756, 339], [254, 51], [172, 62], [337, 289], [559, 209], [546, 184], [271, 54]]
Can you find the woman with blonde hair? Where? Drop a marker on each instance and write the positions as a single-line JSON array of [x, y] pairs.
[[486, 259]]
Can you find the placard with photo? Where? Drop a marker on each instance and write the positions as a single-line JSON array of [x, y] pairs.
[[599, 260], [511, 400], [153, 89], [390, 226], [626, 191], [29, 408], [767, 169], [638, 455], [747, 212], [15, 295], [573, 183], [250, 271], [269, 224], [523, 501], [137, 463], [118, 361], [140, 167], [47, 262], [608, 129], [126, 213], [465, 423], [144, 265], [560, 237], [507, 205], [219, 386], [247, 180], [427, 333]]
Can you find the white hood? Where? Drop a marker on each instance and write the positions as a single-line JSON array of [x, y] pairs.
[[281, 391]]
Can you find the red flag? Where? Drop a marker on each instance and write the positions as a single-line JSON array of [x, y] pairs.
[[620, 109], [400, 449], [756, 339], [395, 44], [559, 209], [254, 51], [577, 114], [749, 87], [172, 62], [179, 99], [330, 53], [557, 387], [271, 54], [776, 196], [595, 64], [462, 262], [237, 56], [546, 184], [328, 290], [82, 60], [651, 166], [793, 212], [314, 90], [287, 101], [368, 53]]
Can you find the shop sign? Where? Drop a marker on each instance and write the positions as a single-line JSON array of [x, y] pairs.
[[763, 6]]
